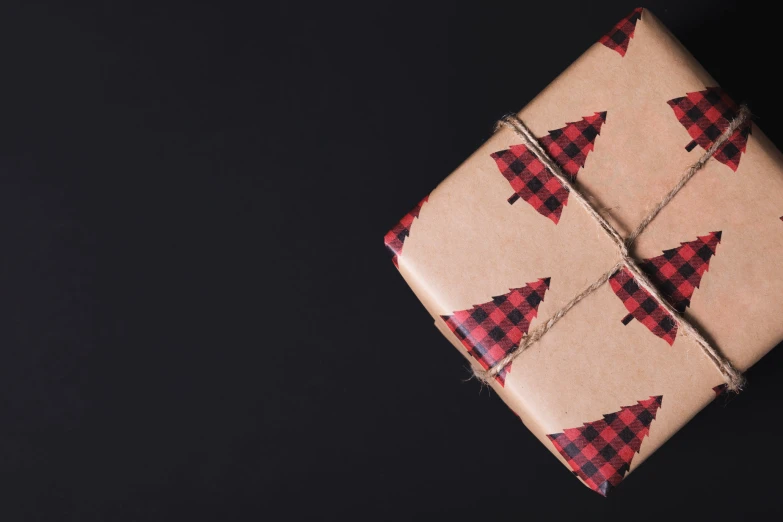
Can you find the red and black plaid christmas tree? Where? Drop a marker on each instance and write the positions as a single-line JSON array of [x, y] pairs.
[[395, 238], [489, 331], [530, 179], [706, 115], [620, 36], [600, 452], [676, 273]]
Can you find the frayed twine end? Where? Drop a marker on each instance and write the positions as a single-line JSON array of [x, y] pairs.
[[483, 376], [737, 384]]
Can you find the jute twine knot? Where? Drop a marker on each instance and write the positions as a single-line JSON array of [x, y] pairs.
[[733, 377]]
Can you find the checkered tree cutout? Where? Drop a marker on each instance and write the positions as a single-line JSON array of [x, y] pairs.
[[530, 179], [600, 452], [706, 115], [620, 36], [491, 330], [395, 238], [676, 273]]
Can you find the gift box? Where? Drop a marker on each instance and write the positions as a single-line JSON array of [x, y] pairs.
[[606, 346]]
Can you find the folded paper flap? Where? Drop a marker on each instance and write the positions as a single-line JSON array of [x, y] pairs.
[[625, 120]]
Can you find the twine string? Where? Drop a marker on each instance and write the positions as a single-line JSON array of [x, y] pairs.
[[733, 377]]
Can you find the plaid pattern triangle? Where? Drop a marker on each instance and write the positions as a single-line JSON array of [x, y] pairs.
[[530, 179], [600, 452], [620, 36], [395, 238], [642, 306], [706, 115], [676, 273], [489, 331]]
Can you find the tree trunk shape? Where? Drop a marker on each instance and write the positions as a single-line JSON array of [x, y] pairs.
[[676, 273], [530, 179], [706, 115], [491, 330], [600, 452]]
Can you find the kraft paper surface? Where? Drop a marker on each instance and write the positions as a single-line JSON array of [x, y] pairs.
[[603, 389]]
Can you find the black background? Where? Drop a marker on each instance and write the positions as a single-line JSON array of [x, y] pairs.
[[199, 320]]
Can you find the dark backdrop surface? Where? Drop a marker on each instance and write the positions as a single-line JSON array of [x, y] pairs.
[[198, 319]]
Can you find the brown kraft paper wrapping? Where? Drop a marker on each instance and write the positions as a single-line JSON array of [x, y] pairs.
[[493, 252]]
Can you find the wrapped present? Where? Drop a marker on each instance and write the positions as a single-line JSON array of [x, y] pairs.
[[608, 260]]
